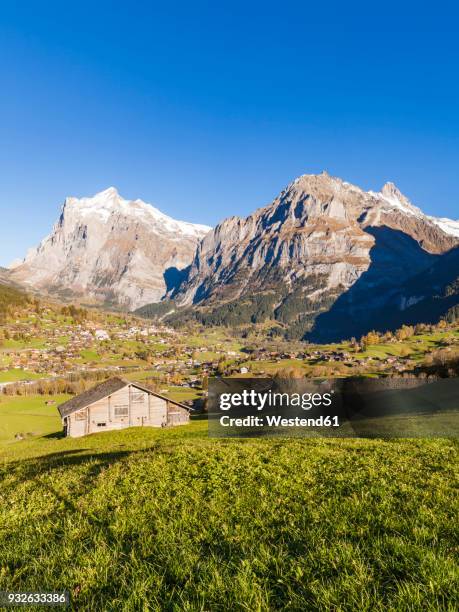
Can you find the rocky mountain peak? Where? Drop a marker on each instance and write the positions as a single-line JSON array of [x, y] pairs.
[[108, 249], [396, 199], [392, 191], [110, 192], [110, 205], [106, 195]]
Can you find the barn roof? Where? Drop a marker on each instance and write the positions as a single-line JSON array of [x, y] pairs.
[[104, 389]]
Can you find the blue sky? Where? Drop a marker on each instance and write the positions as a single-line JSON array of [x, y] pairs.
[[209, 109]]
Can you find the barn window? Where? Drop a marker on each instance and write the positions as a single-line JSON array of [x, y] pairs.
[[80, 416], [121, 411], [138, 397], [101, 424]]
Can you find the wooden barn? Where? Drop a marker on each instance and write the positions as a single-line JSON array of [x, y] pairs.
[[116, 404]]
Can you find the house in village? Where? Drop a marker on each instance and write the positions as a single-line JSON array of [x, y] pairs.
[[117, 404]]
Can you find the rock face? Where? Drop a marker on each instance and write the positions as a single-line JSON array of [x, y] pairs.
[[319, 238], [110, 250]]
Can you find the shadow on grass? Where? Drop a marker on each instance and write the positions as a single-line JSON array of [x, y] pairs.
[[93, 464], [31, 468], [55, 435], [203, 416]]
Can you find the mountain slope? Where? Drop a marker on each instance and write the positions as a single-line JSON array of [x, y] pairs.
[[110, 250], [383, 298], [319, 238], [11, 296]]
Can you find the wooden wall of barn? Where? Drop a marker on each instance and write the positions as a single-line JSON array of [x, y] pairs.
[[176, 415]]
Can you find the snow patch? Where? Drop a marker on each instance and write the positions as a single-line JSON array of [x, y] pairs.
[[391, 196], [109, 203], [447, 225], [403, 204]]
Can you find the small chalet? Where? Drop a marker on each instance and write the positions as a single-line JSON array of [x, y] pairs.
[[116, 404]]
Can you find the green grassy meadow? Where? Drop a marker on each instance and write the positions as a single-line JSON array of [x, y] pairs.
[[16, 375], [28, 416], [149, 519]]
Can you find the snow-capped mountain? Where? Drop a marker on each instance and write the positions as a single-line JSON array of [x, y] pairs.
[[322, 242], [110, 250], [396, 200], [447, 225]]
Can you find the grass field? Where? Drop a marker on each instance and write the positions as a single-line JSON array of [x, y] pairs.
[[28, 416], [147, 519], [31, 343], [15, 375]]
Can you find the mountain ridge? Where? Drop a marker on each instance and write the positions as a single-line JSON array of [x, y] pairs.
[[316, 241], [322, 205]]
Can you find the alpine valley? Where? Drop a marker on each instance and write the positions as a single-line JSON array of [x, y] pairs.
[[324, 261]]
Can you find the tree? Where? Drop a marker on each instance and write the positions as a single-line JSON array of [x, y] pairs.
[[405, 332], [371, 338]]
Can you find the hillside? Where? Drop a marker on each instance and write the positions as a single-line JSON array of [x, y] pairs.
[[184, 522], [10, 297], [424, 297]]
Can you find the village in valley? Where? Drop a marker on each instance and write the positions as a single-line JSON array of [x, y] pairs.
[[48, 349]]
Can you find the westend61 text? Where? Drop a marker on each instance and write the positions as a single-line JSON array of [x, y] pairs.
[[278, 421]]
